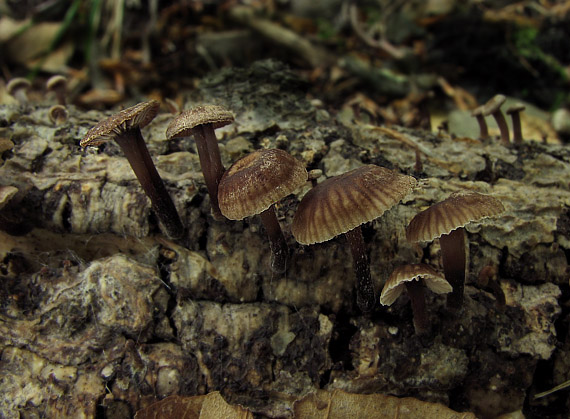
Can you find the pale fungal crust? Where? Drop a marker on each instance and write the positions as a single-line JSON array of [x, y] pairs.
[[6, 194], [342, 203], [415, 272], [183, 124], [258, 180], [459, 209], [136, 116]]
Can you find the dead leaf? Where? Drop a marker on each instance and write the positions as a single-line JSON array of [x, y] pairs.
[[209, 406], [339, 404]]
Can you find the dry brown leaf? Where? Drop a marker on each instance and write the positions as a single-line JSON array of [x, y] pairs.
[[31, 43], [209, 406], [338, 404], [173, 407]]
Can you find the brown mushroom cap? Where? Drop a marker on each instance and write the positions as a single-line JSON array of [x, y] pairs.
[[58, 114], [494, 104], [56, 82], [415, 272], [456, 211], [182, 125], [478, 111], [258, 180], [135, 116], [342, 203], [517, 107], [16, 84]]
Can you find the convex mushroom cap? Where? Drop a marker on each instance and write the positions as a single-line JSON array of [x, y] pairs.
[[459, 209], [395, 284], [252, 184], [183, 124], [58, 85], [342, 203], [493, 105], [201, 122], [446, 220], [124, 127], [18, 88], [139, 116]]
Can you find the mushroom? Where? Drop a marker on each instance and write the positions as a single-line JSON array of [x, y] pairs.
[[411, 277], [124, 128], [58, 85], [446, 220], [201, 123], [493, 107], [515, 111], [483, 131], [58, 114], [340, 205], [253, 184], [18, 88]]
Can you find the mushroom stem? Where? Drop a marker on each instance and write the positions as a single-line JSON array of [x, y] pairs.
[[416, 292], [364, 288], [211, 163], [453, 255], [517, 129], [503, 127], [483, 131], [279, 248], [134, 147]]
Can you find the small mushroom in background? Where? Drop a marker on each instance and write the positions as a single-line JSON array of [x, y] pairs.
[[125, 128], [483, 130], [253, 184], [201, 123], [493, 107], [18, 88], [340, 205], [413, 278], [58, 114], [58, 85], [515, 112], [446, 220]]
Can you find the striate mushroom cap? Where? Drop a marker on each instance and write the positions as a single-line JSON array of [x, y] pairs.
[[255, 182], [459, 209], [183, 124], [494, 104], [136, 116], [342, 203], [415, 272]]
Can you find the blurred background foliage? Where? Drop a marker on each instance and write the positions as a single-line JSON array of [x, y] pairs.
[[112, 50]]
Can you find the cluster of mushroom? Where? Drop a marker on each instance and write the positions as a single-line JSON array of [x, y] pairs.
[[338, 205], [444, 220], [18, 88], [493, 107]]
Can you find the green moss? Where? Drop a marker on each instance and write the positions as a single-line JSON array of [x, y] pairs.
[[526, 45]]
